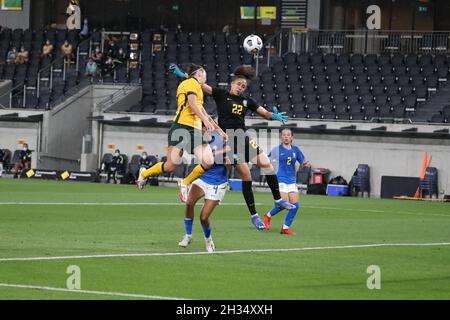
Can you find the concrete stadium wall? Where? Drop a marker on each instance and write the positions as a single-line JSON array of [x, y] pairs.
[[386, 156], [128, 97], [16, 19], [63, 128], [313, 18], [66, 125], [127, 139], [5, 88]]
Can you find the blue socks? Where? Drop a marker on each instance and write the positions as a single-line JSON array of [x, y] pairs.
[[188, 226], [207, 231], [275, 210], [291, 215]]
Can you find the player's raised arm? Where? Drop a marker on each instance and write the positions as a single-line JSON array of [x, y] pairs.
[[216, 126], [275, 115], [177, 71], [173, 68], [207, 89]]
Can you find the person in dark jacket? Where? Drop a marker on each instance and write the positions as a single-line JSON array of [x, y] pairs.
[[24, 161], [116, 166], [2, 156]]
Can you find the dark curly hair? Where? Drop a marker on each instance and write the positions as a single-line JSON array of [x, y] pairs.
[[244, 72]]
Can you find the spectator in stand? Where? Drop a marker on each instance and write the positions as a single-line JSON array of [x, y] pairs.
[[97, 56], [226, 29], [91, 69], [47, 49], [121, 57], [24, 162], [84, 33], [2, 156], [67, 52], [22, 56], [163, 28], [11, 56], [108, 67], [112, 50]]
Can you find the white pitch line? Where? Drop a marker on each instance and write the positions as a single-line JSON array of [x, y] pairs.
[[378, 211], [165, 254], [222, 204], [105, 293], [109, 204]]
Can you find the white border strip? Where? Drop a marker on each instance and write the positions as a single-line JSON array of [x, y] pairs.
[[377, 211], [222, 204], [110, 204], [105, 293], [165, 254]]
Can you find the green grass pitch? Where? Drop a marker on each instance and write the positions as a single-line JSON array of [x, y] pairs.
[[328, 259]]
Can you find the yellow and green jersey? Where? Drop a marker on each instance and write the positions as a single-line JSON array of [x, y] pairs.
[[184, 114]]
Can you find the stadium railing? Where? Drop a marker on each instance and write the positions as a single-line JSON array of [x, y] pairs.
[[369, 41]]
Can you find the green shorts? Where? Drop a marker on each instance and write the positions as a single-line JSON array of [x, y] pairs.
[[185, 137]]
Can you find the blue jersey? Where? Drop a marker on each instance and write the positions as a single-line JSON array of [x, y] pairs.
[[286, 159], [218, 173]]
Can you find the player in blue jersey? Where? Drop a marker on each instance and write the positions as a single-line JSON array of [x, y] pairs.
[[212, 185], [285, 156]]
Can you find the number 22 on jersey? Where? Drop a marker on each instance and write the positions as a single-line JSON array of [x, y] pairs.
[[237, 109]]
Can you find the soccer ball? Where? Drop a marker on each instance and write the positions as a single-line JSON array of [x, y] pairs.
[[253, 43]]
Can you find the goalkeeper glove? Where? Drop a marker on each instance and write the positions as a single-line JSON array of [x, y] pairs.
[[279, 116], [177, 71]]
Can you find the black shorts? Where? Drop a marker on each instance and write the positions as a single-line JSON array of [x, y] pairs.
[[244, 150], [192, 139]]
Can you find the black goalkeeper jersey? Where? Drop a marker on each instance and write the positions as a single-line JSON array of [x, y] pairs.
[[231, 109]]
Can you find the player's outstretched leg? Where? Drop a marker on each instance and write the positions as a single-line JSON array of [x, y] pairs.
[[207, 209], [250, 201], [268, 216], [272, 181], [257, 222], [204, 154], [210, 247], [187, 239], [264, 163], [288, 220], [283, 204], [155, 170]]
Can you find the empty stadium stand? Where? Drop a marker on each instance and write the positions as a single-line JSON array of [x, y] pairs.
[[386, 87]]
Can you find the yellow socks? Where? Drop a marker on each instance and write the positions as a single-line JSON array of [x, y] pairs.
[[194, 175], [155, 170]]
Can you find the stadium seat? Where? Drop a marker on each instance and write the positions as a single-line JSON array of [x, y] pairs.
[[429, 185], [360, 181]]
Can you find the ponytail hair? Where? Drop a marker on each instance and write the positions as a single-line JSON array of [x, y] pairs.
[[193, 68]]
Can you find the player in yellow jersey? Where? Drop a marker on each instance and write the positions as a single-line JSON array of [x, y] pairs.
[[186, 133]]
